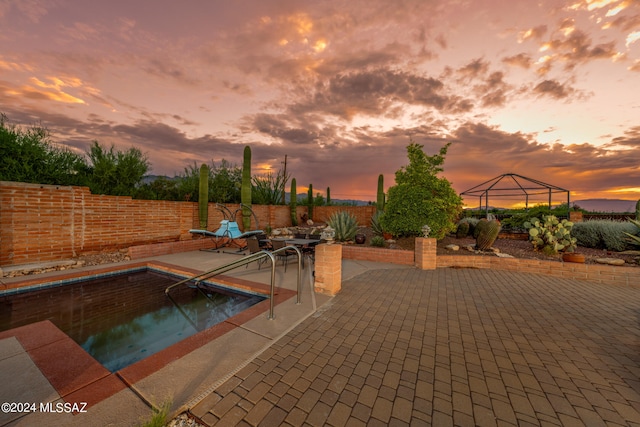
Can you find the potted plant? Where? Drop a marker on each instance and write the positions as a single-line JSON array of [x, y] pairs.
[[573, 257]]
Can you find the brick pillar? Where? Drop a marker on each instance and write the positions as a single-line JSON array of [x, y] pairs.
[[575, 216], [426, 253], [328, 267]]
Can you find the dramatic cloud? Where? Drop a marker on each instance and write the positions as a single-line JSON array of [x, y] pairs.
[[545, 89]]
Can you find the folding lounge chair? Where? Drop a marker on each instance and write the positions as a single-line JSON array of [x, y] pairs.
[[227, 235]]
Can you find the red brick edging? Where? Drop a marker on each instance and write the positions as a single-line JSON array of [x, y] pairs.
[[605, 274]]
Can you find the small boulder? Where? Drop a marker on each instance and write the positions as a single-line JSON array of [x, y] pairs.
[[503, 255], [610, 261], [452, 247]]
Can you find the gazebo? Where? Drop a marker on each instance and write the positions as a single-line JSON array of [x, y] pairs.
[[512, 184]]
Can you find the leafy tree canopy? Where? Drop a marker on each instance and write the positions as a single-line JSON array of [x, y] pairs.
[[115, 172], [420, 197], [28, 155]]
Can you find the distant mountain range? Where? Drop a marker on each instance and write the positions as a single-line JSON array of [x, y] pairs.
[[606, 205], [594, 205]]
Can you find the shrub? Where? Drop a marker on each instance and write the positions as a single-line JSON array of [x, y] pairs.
[[377, 241], [421, 198], [344, 224], [603, 234]]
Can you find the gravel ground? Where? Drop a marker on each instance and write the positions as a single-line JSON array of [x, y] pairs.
[[524, 250]]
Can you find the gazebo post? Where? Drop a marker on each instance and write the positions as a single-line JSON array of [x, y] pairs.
[[486, 201]]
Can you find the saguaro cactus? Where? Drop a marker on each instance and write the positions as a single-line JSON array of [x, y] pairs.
[[245, 191], [203, 197], [310, 200], [328, 196], [293, 202], [380, 198], [638, 210]]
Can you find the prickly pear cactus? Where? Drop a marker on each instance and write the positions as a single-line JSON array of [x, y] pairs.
[[551, 235], [487, 235]]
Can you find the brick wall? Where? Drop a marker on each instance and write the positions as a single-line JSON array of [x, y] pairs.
[[362, 213], [370, 253], [48, 223]]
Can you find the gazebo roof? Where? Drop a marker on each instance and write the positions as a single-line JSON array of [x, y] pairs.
[[512, 184]]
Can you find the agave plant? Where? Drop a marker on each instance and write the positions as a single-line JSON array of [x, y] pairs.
[[344, 224], [634, 239], [375, 223]]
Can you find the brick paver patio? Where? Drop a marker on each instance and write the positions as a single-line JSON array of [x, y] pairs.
[[448, 347]]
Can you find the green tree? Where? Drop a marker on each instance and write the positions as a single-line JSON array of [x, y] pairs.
[[420, 197], [115, 172], [224, 183], [29, 155], [161, 188]]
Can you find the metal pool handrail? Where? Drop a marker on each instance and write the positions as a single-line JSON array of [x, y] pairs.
[[247, 260]]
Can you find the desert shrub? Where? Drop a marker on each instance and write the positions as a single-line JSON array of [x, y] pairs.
[[377, 241], [344, 224], [603, 234]]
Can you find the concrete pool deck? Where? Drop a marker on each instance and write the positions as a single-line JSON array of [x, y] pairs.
[[397, 346], [26, 373]]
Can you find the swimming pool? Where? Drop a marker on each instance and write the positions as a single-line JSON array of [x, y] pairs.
[[124, 317]]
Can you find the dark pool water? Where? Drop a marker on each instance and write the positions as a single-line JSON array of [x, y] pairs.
[[124, 318]]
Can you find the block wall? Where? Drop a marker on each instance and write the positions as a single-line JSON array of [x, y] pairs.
[[41, 223], [47, 222]]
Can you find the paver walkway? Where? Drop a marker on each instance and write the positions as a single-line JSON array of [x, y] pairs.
[[448, 347]]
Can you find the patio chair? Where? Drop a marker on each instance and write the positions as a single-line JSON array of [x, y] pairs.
[[253, 245], [284, 256]]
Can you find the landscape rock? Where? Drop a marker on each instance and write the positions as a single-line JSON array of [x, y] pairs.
[[503, 255], [610, 261], [452, 247]]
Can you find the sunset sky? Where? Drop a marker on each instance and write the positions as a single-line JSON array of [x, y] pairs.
[[547, 89]]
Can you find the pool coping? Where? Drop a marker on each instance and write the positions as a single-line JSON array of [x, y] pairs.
[[77, 377]]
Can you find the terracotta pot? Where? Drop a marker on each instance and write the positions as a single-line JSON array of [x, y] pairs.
[[360, 238], [387, 236], [573, 257]]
